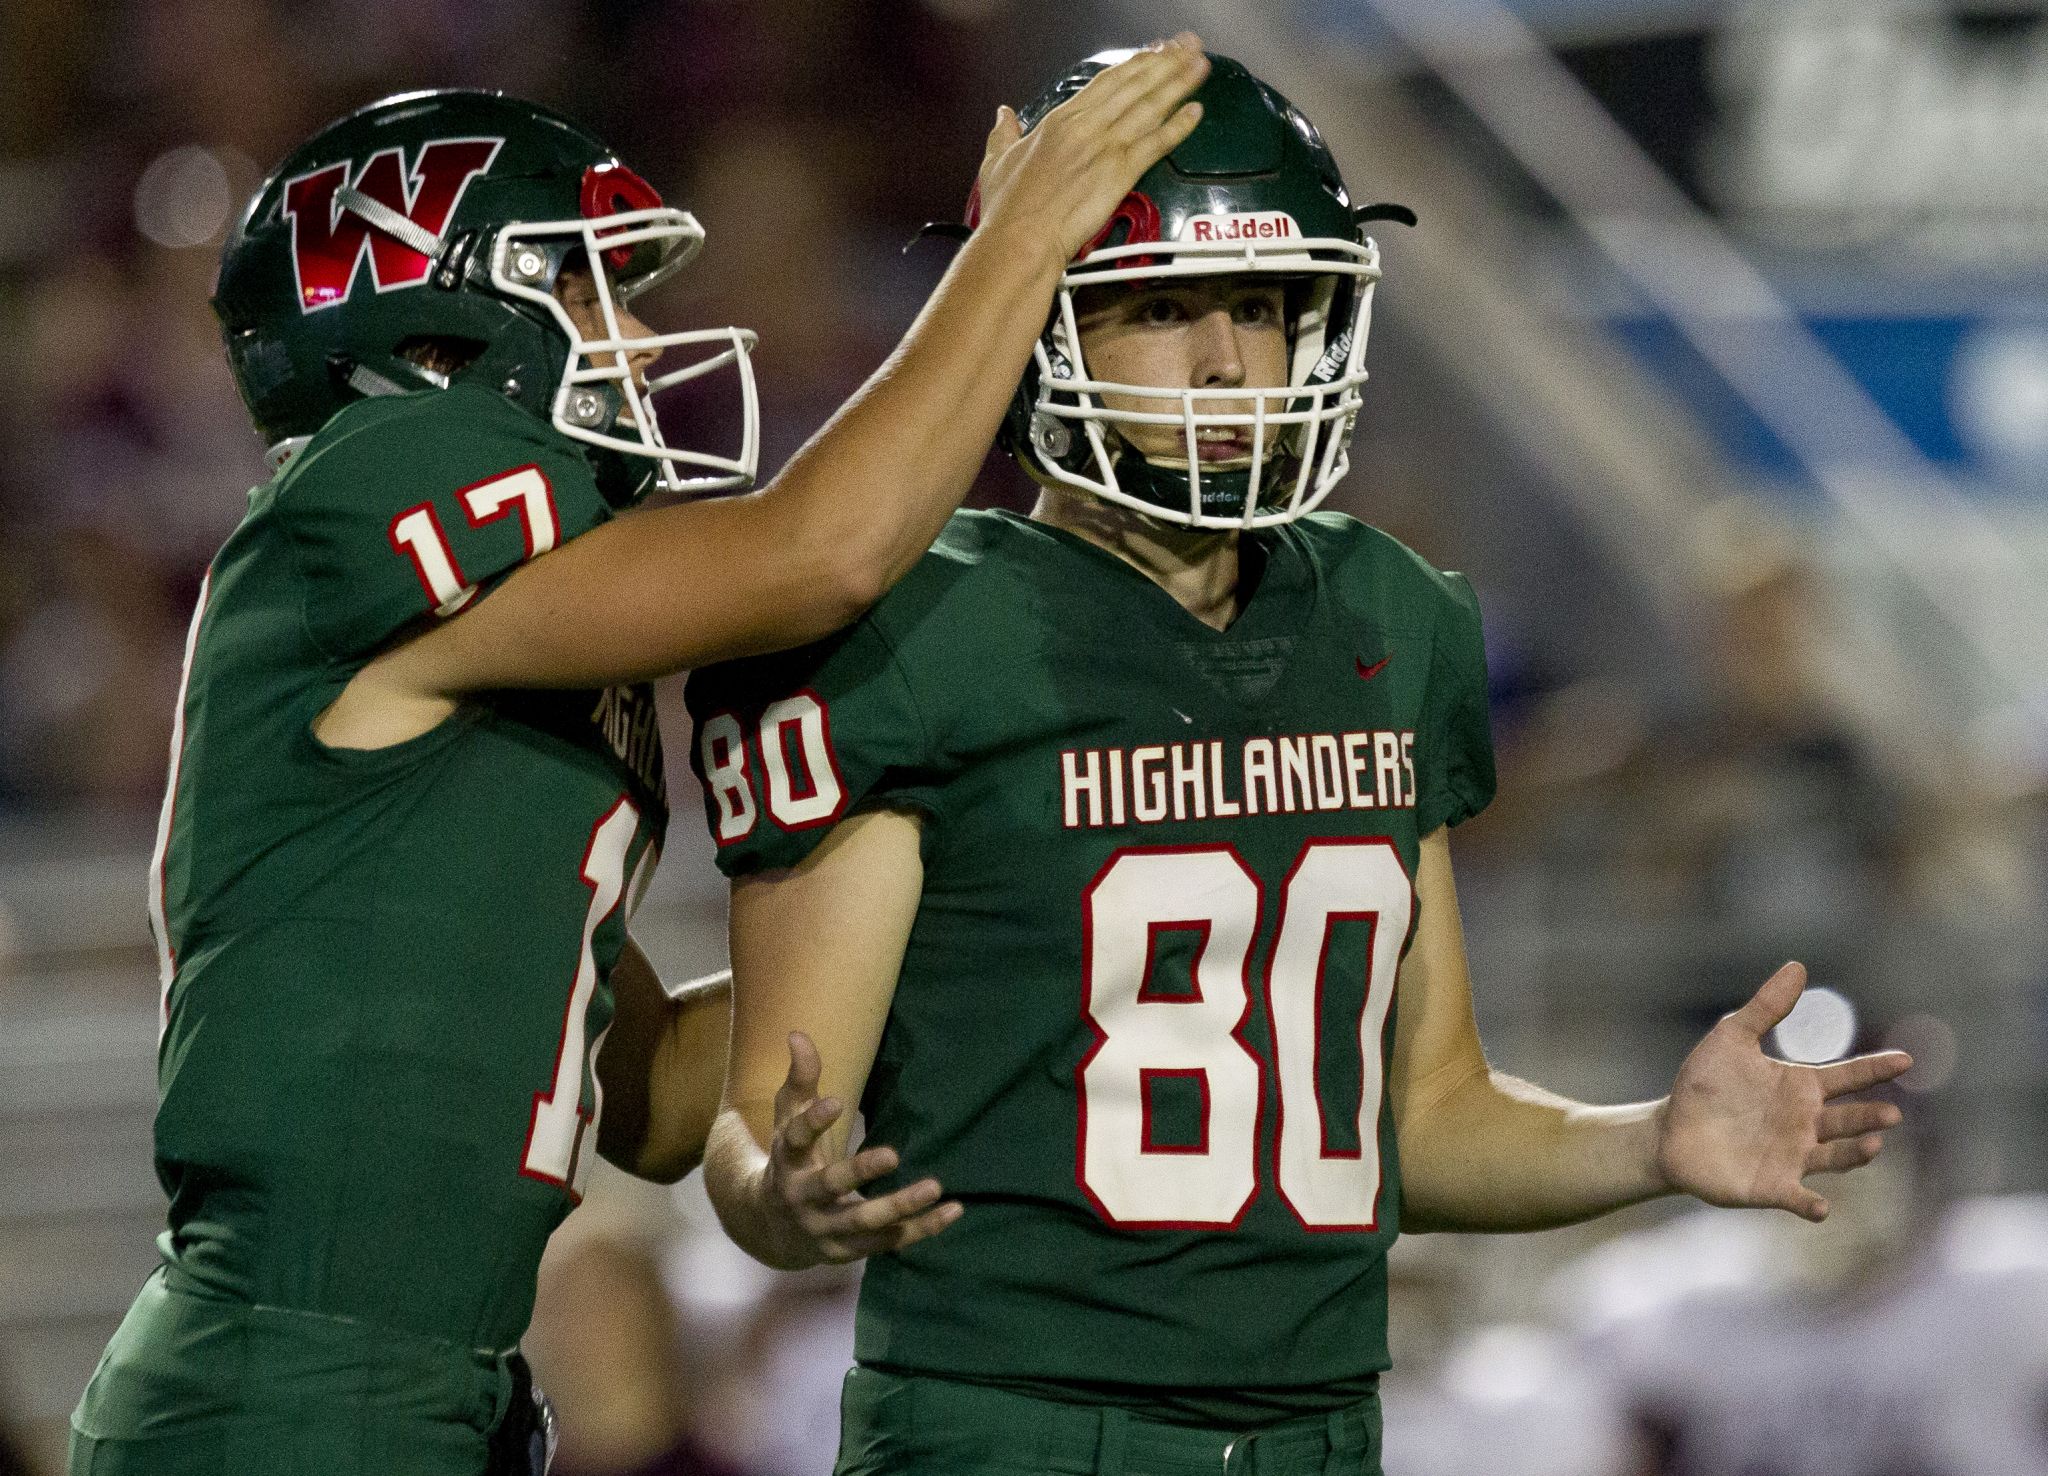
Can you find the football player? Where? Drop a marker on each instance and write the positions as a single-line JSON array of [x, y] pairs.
[[1092, 861], [416, 780]]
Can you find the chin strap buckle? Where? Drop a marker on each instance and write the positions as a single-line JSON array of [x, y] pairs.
[[280, 456]]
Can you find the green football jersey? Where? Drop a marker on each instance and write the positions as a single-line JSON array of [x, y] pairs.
[[1146, 1006], [385, 972]]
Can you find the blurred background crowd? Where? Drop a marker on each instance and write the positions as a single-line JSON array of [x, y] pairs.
[[1719, 359]]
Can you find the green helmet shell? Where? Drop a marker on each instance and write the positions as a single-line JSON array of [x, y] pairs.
[[1253, 150], [1253, 171], [315, 300]]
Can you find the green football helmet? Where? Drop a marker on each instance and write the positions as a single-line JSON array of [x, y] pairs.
[[445, 217], [1253, 190]]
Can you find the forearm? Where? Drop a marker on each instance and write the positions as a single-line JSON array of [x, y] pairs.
[[815, 951], [661, 1069], [870, 491], [670, 588], [878, 481], [1493, 1152]]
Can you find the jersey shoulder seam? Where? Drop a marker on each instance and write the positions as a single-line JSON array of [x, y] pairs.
[[479, 409], [1355, 533], [989, 533], [897, 664], [301, 583]]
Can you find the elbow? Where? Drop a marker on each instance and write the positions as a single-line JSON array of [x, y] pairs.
[[858, 573], [858, 562], [658, 1163], [827, 589], [1422, 1210], [726, 1165], [673, 1170], [839, 553], [661, 1148], [665, 1168]]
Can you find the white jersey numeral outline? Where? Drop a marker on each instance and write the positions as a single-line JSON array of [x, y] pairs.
[[1333, 881], [722, 751], [417, 534], [821, 799], [559, 1132], [1142, 1036], [796, 801], [159, 884], [529, 488]]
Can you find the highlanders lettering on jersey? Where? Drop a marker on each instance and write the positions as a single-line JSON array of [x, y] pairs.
[[626, 717], [1306, 772]]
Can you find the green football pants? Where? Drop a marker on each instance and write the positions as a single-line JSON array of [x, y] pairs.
[[902, 1425], [198, 1385]]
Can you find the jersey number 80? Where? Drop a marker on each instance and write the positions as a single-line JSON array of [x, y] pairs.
[[1141, 1037]]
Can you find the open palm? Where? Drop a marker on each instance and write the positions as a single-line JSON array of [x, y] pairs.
[[1743, 1129]]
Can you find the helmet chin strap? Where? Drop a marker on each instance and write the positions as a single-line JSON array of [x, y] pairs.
[[368, 383]]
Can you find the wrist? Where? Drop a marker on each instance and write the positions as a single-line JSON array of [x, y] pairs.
[[739, 1180], [1657, 1168], [777, 1242], [1023, 241]]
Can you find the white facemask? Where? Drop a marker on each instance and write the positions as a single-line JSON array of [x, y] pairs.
[[519, 268], [1299, 434]]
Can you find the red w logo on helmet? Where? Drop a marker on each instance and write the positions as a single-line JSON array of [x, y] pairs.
[[328, 240]]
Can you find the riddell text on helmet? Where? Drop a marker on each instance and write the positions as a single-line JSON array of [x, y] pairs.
[[1250, 225]]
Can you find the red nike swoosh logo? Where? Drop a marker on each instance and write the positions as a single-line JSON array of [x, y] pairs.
[[1367, 673]]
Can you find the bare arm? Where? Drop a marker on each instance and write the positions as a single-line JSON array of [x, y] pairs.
[[681, 586], [815, 953], [1481, 1150], [662, 1068]]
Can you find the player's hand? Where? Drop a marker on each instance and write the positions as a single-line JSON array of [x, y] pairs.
[[1743, 1129], [811, 1198], [1065, 177]]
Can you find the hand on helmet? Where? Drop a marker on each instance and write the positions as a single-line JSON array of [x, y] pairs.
[[1075, 167]]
